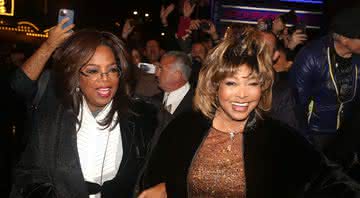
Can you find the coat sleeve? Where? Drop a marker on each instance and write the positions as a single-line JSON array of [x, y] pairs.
[[157, 167], [303, 75], [30, 177], [324, 178], [332, 182], [284, 106], [23, 85]]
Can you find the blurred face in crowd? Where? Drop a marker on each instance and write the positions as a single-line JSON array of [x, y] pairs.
[[353, 45], [238, 95], [207, 44], [168, 78], [99, 78], [270, 40], [135, 57], [277, 25], [198, 52], [152, 51]]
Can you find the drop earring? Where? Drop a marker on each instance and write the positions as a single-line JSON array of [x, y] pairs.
[[77, 89]]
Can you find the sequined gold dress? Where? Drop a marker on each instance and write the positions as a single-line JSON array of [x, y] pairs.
[[217, 170]]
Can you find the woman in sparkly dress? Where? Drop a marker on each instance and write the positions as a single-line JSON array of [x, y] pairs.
[[229, 148]]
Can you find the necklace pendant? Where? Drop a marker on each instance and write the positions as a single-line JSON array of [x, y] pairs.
[[232, 135]]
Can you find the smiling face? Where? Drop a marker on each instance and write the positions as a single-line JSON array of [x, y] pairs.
[[99, 91], [238, 95]]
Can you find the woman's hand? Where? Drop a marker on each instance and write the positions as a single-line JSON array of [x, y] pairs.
[[57, 35], [194, 24], [127, 29], [296, 38], [164, 13], [158, 191], [212, 31]]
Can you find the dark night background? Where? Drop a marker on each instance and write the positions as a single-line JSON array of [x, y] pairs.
[[104, 14], [100, 14]]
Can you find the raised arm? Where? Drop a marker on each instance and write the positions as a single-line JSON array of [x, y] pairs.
[[36, 63]]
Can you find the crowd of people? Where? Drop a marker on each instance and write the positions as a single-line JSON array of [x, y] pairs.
[[262, 111]]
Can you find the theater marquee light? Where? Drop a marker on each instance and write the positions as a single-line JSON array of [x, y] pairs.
[[24, 27], [7, 7]]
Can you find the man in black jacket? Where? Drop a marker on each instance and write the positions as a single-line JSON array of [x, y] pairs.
[[325, 76], [173, 76]]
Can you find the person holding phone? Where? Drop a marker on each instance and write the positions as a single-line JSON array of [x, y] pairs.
[[294, 39], [66, 13], [87, 141]]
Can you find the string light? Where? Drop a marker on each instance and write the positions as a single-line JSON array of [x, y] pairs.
[[27, 28]]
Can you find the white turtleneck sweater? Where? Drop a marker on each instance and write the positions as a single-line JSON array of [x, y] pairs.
[[100, 150]]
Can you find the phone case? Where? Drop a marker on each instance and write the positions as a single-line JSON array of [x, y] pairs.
[[66, 13], [147, 68]]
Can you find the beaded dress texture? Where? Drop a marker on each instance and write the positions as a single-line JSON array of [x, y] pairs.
[[217, 170]]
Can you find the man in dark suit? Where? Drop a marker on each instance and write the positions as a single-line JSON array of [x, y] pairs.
[[173, 75]]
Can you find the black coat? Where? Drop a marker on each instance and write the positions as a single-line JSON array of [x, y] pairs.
[[164, 117], [278, 162], [50, 164], [345, 147], [283, 105]]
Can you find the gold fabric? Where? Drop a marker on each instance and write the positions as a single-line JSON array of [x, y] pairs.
[[217, 169]]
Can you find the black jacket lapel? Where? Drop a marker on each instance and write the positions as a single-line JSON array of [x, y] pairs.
[[68, 162], [185, 104]]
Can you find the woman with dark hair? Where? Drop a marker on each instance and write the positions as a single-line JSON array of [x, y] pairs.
[[86, 141], [229, 148]]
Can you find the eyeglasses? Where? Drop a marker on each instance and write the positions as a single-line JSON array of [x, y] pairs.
[[95, 74]]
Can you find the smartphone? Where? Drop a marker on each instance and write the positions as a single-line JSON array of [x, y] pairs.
[[204, 26], [147, 68], [66, 13]]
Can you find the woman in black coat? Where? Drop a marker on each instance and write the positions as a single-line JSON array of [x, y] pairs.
[[228, 149], [85, 141]]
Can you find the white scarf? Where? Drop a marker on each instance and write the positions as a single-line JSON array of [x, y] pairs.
[[100, 150]]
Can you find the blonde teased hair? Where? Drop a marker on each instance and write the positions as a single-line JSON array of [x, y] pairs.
[[236, 50]]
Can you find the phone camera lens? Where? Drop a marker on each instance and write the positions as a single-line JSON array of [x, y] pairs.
[[63, 13]]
